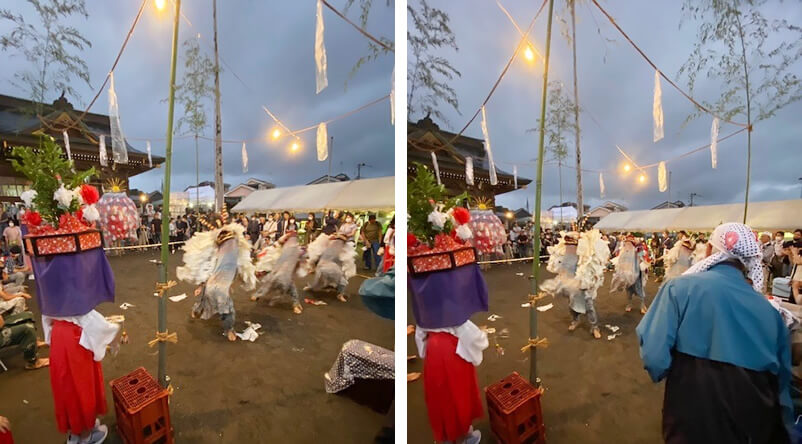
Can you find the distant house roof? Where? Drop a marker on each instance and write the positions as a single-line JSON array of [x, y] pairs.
[[240, 190], [605, 209], [342, 177], [667, 204], [568, 204], [259, 183], [207, 183]]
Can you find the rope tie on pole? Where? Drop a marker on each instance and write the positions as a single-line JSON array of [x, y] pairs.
[[535, 343], [161, 287], [164, 337]]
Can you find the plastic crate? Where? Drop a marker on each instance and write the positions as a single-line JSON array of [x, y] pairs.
[[514, 409], [142, 409]]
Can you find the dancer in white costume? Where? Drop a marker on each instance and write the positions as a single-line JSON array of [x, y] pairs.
[[282, 261], [679, 258], [332, 259], [212, 260], [579, 262], [630, 272]]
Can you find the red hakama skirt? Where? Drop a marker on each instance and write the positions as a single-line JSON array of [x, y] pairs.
[[77, 380], [6, 438], [450, 387], [389, 261]]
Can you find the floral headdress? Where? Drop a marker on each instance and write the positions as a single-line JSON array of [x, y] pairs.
[[59, 198]]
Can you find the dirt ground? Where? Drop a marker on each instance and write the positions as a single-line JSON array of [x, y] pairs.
[[271, 390], [596, 390]]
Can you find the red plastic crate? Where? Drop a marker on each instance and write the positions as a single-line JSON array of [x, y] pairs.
[[514, 409], [142, 409]]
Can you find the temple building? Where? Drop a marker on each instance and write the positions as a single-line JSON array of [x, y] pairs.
[[22, 125], [425, 137]]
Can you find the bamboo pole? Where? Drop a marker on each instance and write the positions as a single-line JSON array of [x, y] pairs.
[[165, 237], [533, 379]]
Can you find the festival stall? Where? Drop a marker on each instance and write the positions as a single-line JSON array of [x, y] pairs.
[[763, 216]]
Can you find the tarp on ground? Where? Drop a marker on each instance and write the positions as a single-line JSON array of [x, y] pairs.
[[762, 216], [356, 195]]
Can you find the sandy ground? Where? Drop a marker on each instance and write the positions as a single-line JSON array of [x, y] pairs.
[[596, 390], [270, 390]]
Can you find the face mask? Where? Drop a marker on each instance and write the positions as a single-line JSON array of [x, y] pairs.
[[778, 238], [11, 224]]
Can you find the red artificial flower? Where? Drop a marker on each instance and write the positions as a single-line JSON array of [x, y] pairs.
[[461, 215], [431, 201], [80, 213], [33, 218], [89, 194], [411, 240]]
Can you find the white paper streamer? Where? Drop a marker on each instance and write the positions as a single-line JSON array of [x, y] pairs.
[[436, 168], [469, 170], [103, 154], [662, 177], [244, 158], [515, 175], [601, 184], [67, 144], [714, 143], [119, 151], [150, 160], [322, 142], [392, 98], [657, 108], [491, 164], [321, 78]]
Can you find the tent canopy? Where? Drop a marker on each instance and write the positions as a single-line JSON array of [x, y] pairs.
[[357, 195], [762, 216]]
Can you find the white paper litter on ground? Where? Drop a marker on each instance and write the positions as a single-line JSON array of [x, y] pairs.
[[526, 305], [250, 333], [490, 330], [519, 274], [126, 306], [612, 328], [545, 307], [612, 336], [178, 298], [493, 317]]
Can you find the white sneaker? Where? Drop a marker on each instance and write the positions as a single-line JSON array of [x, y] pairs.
[[474, 437], [97, 436]]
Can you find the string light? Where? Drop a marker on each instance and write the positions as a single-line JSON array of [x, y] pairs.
[[160, 4], [275, 134], [529, 54], [642, 178], [627, 168], [294, 147]]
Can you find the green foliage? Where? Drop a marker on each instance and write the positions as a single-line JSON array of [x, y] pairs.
[[50, 46], [197, 87], [374, 50], [429, 75], [47, 168], [560, 125], [422, 190], [751, 57]]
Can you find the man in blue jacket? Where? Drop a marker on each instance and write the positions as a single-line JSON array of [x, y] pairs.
[[722, 348]]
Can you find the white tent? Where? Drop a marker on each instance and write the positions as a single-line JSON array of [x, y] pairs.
[[762, 216], [357, 195]]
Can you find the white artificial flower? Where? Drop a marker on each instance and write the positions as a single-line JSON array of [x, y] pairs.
[[463, 232], [90, 213], [63, 196], [28, 197], [76, 193], [437, 219]]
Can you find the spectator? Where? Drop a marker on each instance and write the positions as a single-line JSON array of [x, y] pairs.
[[796, 270], [310, 228], [767, 248], [156, 229], [271, 225], [12, 234], [182, 229], [283, 224], [777, 265], [331, 223], [348, 227], [371, 235], [16, 271], [253, 229], [18, 329]]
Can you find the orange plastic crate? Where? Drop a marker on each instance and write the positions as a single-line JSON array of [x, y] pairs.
[[514, 409], [142, 409]]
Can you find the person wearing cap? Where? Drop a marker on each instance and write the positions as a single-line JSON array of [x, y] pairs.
[[722, 348]]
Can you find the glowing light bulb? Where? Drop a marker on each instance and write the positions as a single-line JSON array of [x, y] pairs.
[[627, 168], [529, 54], [160, 4], [642, 178], [295, 146], [275, 134]]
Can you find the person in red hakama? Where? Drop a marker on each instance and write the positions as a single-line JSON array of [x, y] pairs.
[[77, 345], [450, 386]]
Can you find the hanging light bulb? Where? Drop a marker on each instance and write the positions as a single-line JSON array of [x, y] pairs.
[[642, 178], [627, 167], [160, 4], [529, 53], [275, 134], [294, 147]]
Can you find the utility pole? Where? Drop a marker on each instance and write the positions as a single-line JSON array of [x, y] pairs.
[[533, 379], [580, 207], [692, 196], [800, 192], [331, 147], [219, 187], [359, 169], [669, 186]]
